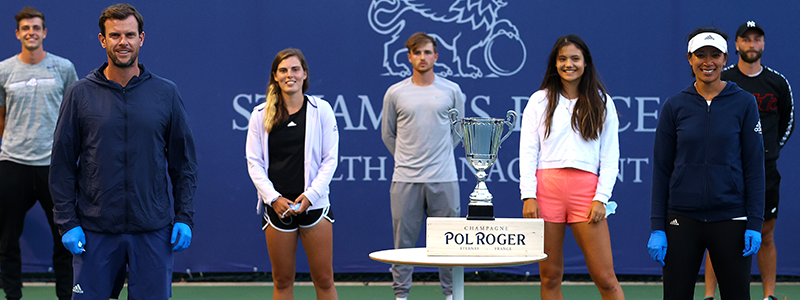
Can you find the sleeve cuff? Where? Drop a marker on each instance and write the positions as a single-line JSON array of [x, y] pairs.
[[269, 202], [526, 195], [657, 224], [754, 224], [310, 202], [603, 199]]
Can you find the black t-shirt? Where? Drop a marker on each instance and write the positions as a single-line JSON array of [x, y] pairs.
[[286, 154], [775, 105]]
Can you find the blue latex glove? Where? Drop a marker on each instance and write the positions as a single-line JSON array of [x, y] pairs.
[[752, 242], [183, 234], [75, 239], [611, 208], [657, 245]]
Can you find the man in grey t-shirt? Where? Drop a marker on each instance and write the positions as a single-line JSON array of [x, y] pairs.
[[416, 130], [32, 84]]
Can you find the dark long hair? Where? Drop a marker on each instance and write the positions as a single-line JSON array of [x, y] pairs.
[[590, 109]]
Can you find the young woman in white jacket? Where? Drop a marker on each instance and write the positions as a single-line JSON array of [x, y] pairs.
[[292, 152], [569, 150]]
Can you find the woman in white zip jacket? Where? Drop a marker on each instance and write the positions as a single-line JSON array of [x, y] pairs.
[[569, 151], [292, 152]]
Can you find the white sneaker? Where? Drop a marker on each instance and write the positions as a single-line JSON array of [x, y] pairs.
[[448, 297], [404, 298]]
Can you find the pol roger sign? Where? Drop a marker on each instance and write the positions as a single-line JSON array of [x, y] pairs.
[[499, 237]]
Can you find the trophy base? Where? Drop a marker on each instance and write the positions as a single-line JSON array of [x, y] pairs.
[[480, 212]]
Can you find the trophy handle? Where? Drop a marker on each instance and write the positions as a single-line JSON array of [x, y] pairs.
[[454, 119], [511, 119]]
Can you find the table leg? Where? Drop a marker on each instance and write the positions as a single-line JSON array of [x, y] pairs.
[[458, 283]]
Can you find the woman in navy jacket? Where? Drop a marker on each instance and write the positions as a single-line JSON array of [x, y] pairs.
[[708, 177]]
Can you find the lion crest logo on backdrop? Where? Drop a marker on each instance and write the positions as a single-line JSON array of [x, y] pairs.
[[495, 48]]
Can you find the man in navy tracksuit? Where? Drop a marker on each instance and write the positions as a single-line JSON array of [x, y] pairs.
[[122, 136]]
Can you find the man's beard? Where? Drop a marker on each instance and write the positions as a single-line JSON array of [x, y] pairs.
[[118, 63], [746, 58]]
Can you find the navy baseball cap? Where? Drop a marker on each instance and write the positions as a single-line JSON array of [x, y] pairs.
[[747, 26]]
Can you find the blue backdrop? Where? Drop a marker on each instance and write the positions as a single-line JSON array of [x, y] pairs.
[[219, 54]]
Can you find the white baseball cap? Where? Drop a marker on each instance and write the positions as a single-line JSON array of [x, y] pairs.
[[708, 39]]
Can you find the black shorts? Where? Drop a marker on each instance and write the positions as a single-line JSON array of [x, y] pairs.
[[773, 195], [307, 219]]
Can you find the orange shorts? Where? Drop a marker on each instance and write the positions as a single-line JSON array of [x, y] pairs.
[[564, 195]]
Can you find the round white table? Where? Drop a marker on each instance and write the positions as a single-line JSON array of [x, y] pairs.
[[418, 257]]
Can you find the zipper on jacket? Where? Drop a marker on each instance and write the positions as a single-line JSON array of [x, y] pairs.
[[125, 154], [706, 179]]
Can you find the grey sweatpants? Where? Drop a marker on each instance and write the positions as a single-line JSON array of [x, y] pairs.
[[411, 202]]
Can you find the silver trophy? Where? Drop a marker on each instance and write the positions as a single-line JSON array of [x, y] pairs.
[[481, 141]]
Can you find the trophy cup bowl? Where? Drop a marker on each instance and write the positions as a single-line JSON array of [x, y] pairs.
[[481, 138]]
